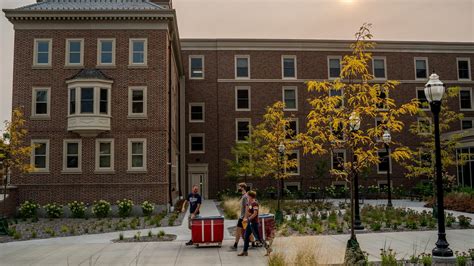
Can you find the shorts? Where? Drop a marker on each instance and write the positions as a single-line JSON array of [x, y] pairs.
[[239, 223]]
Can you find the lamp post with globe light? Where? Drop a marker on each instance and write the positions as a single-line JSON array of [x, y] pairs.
[[354, 124], [386, 140], [281, 151]]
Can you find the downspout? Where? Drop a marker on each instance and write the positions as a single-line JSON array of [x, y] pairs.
[[170, 165]]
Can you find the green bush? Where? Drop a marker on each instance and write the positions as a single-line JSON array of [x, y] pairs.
[[124, 207], [53, 210], [28, 209], [101, 208], [161, 233], [147, 208], [78, 209], [464, 221]]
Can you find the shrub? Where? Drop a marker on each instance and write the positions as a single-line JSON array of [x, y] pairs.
[[277, 259], [161, 233], [34, 234], [147, 208], [464, 222], [231, 207], [388, 257], [28, 209], [17, 235], [101, 208], [376, 226], [124, 207], [172, 218], [64, 229], [50, 231], [150, 234], [78, 209], [53, 210], [450, 219], [121, 236]]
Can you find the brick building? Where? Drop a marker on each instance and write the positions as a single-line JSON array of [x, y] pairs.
[[119, 106]]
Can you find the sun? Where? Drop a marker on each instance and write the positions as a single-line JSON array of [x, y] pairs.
[[347, 1]]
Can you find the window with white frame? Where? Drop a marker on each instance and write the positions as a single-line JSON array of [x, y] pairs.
[[242, 129], [293, 156], [464, 68], [382, 98], [242, 98], [465, 99], [339, 93], [292, 128], [385, 162], [74, 52], [137, 102], [41, 102], [338, 159], [379, 67], [290, 98], [242, 66], [334, 67], [137, 157], [378, 125], [92, 100], [288, 64], [138, 52], [420, 94], [196, 112], [72, 155], [40, 155], [338, 131], [467, 123], [104, 155], [42, 52], [293, 187], [421, 68], [196, 66], [106, 52], [424, 125], [196, 143]]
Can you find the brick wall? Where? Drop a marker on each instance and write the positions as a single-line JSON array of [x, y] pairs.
[[8, 205]]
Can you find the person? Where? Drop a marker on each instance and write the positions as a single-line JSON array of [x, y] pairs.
[[194, 200], [251, 217], [239, 230]]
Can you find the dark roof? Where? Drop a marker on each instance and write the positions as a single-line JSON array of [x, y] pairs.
[[90, 73], [93, 5]]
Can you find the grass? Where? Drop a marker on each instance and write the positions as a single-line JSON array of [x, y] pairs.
[[231, 207], [296, 252]]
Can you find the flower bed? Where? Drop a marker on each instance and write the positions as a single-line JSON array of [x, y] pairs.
[[150, 237]]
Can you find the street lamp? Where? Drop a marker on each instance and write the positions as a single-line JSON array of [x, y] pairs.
[[434, 91], [386, 140], [281, 151], [354, 124], [3, 220]]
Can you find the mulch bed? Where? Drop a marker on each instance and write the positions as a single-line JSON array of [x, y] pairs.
[[146, 239]]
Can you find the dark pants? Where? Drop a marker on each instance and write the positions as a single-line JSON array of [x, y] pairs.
[[252, 228]]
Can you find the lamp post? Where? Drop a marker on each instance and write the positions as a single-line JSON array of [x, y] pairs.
[[3, 219], [434, 91], [281, 151], [354, 123], [386, 140]]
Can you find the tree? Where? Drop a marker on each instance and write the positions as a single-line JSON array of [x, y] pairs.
[[355, 98]]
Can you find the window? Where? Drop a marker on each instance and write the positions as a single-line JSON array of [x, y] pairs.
[[42, 52], [72, 101], [420, 94], [465, 161], [104, 156], [464, 68], [293, 156], [41, 103], [196, 143], [292, 128], [382, 105], [338, 159], [242, 98], [242, 66], [106, 52], [138, 52], [338, 132], [421, 68], [196, 67], [89, 100], [242, 129], [74, 52], [379, 67], [337, 93], [136, 154], [425, 158], [137, 102], [196, 112], [378, 125], [465, 99], [290, 98], [72, 155], [334, 67], [40, 155], [288, 63], [385, 163], [424, 125], [293, 187], [467, 123], [103, 105]]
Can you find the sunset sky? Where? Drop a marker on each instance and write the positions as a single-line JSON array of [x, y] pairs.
[[415, 20]]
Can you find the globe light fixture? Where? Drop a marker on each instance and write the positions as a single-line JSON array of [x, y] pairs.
[[387, 138], [354, 121]]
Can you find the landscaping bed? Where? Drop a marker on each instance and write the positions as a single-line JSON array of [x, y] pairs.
[[150, 237]]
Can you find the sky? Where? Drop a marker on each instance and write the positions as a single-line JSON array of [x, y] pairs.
[[413, 20]]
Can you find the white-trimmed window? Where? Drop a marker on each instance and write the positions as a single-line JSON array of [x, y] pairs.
[[338, 93], [42, 52], [378, 123], [196, 113], [242, 98], [104, 155], [420, 94], [421, 68], [41, 103], [242, 66], [137, 102], [72, 155], [338, 132], [465, 99], [242, 129], [338, 159], [293, 155], [288, 67], [40, 155], [464, 68], [137, 157], [293, 187], [467, 123], [379, 67], [196, 66], [334, 67], [89, 100], [292, 128], [385, 162], [382, 105], [106, 52], [138, 52], [196, 143], [290, 98], [424, 125], [74, 52]]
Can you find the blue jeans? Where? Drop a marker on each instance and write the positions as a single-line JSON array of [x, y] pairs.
[[252, 228]]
